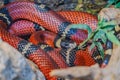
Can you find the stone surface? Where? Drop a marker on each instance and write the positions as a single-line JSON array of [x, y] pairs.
[[13, 66], [110, 14]]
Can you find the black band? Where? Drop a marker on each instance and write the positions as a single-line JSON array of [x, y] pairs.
[[37, 27], [107, 58], [6, 2], [47, 47], [72, 54], [109, 44], [21, 47], [6, 18], [95, 56], [62, 27]]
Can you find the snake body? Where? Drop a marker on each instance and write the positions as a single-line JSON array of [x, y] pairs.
[[44, 17], [38, 56], [74, 17], [50, 20], [68, 51]]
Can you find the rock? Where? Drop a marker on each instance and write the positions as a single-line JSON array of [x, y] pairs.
[[13, 66], [72, 72], [110, 14]]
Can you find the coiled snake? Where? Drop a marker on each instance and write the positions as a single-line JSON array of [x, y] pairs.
[[23, 18]]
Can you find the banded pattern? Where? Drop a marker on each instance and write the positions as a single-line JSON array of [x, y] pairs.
[[45, 19], [108, 53], [67, 48], [37, 55], [32, 16]]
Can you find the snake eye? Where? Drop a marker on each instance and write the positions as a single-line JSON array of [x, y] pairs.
[[65, 45]]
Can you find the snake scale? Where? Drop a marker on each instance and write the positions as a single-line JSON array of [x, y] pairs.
[[24, 18]]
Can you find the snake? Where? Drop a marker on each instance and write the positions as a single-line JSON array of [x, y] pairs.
[[73, 17], [68, 47], [40, 15]]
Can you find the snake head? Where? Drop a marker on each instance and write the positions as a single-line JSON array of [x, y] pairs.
[[67, 44]]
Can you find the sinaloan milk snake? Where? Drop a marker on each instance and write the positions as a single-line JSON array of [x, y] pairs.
[[24, 18]]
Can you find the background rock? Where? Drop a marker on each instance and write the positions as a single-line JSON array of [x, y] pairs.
[[13, 66]]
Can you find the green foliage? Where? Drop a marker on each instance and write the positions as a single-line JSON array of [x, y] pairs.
[[115, 2], [104, 31], [117, 5], [82, 26], [100, 35], [107, 28], [113, 38]]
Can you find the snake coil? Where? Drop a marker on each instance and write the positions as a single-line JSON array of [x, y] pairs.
[[25, 18]]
